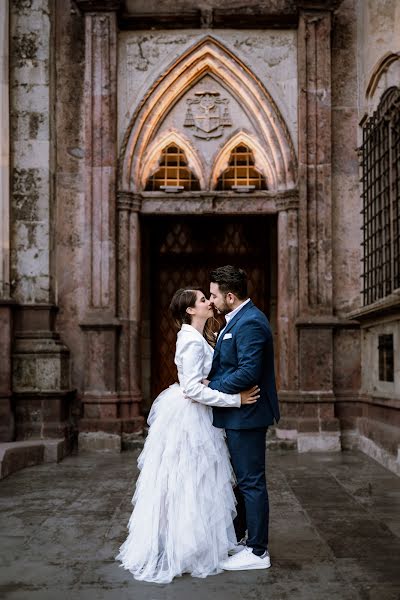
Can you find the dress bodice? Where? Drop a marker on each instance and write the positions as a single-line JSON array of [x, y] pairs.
[[190, 341], [193, 358]]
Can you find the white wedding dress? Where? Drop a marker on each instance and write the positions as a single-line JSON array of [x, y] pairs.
[[184, 505]]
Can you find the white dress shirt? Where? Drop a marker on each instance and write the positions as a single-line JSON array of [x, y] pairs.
[[229, 316]]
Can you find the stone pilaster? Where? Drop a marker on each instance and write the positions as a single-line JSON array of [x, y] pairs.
[[129, 311], [288, 300], [108, 412], [6, 410], [4, 153], [41, 389], [316, 425]]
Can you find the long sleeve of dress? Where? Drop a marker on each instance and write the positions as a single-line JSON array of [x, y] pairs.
[[191, 354]]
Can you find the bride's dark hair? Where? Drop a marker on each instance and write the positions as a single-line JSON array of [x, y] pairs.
[[186, 298]]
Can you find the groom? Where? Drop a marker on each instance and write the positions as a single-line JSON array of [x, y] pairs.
[[244, 357]]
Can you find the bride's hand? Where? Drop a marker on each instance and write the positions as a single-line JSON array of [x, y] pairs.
[[205, 381], [250, 396]]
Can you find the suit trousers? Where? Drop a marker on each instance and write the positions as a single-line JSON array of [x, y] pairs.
[[247, 450]]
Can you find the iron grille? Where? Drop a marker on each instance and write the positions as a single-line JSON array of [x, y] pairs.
[[380, 164], [172, 170], [241, 171]]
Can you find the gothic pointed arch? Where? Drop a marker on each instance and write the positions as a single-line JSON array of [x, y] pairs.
[[209, 56], [152, 156], [262, 161], [385, 74]]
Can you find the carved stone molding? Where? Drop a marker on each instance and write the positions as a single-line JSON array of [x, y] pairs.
[[218, 202], [129, 201], [211, 57]]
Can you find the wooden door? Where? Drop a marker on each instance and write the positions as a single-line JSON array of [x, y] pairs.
[[183, 252]]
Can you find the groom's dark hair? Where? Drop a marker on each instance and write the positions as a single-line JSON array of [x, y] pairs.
[[230, 279]]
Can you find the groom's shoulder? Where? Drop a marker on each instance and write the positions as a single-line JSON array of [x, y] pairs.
[[252, 315], [255, 313]]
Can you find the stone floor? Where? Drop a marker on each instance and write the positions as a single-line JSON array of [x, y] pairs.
[[335, 533]]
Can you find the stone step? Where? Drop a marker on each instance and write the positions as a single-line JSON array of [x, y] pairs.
[[18, 455], [273, 443], [286, 445]]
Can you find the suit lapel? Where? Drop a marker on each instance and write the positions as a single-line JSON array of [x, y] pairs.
[[231, 323]]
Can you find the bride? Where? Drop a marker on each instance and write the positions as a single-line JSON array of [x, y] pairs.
[[184, 505]]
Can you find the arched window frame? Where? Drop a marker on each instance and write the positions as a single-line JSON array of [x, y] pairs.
[[151, 159], [242, 171], [262, 162]]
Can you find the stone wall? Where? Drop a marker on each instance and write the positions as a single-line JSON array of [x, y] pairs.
[[75, 237], [372, 30]]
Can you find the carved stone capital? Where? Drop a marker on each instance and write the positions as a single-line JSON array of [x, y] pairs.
[[99, 5], [129, 201]]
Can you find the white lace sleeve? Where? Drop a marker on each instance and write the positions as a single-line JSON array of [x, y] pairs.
[[192, 357]]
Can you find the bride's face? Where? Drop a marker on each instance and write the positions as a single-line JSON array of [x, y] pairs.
[[202, 307]]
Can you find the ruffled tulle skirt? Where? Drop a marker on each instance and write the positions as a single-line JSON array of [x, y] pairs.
[[184, 505]]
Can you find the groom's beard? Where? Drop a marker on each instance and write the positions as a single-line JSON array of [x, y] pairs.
[[224, 310]]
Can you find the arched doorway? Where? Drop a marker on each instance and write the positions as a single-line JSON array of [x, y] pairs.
[[179, 252], [207, 177]]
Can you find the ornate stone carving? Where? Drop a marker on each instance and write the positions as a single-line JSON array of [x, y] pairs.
[[208, 56], [207, 115]]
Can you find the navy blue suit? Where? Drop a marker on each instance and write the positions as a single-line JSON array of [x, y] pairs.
[[244, 357]]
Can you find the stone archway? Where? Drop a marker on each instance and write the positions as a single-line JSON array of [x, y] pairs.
[[273, 148], [208, 57]]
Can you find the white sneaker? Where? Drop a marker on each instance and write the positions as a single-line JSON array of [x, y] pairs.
[[237, 547], [246, 560]]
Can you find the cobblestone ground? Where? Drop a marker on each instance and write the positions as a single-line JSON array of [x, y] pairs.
[[335, 524]]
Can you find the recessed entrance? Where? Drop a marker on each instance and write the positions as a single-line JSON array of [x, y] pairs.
[[179, 252]]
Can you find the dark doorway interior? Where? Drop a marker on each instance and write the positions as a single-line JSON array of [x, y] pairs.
[[179, 252]]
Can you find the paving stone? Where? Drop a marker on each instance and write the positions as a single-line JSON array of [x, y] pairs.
[[335, 533]]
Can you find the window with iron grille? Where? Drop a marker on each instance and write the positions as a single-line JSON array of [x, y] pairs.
[[172, 170], [241, 171], [380, 165], [386, 357]]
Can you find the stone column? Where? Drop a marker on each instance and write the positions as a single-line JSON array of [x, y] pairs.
[[41, 383], [317, 426], [106, 412], [288, 300], [6, 412], [129, 312]]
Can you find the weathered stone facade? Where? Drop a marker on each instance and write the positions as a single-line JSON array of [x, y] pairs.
[[98, 89]]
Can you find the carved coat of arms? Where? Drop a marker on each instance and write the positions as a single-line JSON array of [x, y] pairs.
[[207, 115]]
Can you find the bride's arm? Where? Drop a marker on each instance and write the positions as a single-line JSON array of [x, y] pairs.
[[192, 357]]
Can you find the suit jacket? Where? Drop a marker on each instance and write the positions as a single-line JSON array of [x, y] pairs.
[[243, 357]]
